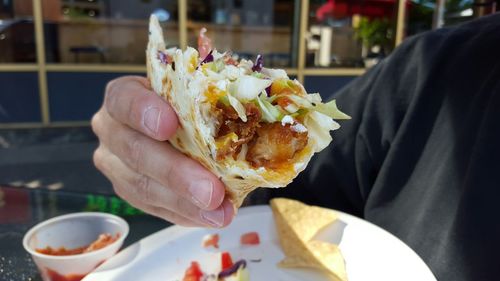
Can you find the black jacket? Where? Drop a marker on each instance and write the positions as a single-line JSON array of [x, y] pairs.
[[421, 155]]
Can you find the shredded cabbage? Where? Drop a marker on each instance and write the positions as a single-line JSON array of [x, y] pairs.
[[314, 98], [274, 73], [330, 109], [270, 113], [232, 72], [236, 104], [319, 127], [247, 88], [300, 101]]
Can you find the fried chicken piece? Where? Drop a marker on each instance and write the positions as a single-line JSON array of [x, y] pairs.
[[275, 144]]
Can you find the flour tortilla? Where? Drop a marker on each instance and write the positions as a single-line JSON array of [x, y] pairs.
[[183, 87]]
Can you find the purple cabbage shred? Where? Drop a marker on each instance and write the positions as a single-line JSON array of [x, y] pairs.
[[231, 270], [268, 91], [259, 63], [162, 57], [208, 58]]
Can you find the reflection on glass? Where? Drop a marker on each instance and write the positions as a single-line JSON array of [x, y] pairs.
[[248, 28], [17, 39], [104, 31], [344, 33], [424, 15]]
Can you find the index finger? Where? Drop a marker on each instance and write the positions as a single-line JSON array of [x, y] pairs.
[[130, 101]]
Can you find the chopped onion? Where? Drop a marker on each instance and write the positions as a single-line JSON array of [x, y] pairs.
[[287, 120]]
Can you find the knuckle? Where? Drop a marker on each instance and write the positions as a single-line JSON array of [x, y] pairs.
[[111, 85], [97, 158], [120, 192], [180, 205], [169, 172], [142, 187], [95, 123], [133, 152], [111, 94]]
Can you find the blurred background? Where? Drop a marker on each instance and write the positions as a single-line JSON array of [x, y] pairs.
[[57, 55]]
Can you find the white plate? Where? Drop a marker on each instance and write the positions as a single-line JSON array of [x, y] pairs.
[[370, 252]]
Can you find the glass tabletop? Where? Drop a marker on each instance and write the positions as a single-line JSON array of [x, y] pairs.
[[22, 208]]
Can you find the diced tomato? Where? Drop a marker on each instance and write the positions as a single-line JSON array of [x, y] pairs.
[[211, 240], [250, 238], [193, 273], [226, 261]]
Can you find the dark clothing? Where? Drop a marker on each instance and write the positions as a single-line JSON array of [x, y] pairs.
[[421, 155]]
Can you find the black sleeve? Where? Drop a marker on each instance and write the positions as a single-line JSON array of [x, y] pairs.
[[342, 175]]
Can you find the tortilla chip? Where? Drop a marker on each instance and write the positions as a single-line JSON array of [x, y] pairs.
[[305, 220], [297, 224]]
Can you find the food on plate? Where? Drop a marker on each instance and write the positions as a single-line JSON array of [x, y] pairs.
[[297, 224], [193, 272], [237, 272], [102, 241], [226, 261], [250, 238], [250, 125], [229, 271], [211, 240]]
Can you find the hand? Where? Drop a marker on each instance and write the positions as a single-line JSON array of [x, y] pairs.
[[132, 126]]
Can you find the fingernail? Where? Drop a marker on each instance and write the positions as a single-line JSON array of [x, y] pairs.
[[214, 218], [152, 118], [201, 192]]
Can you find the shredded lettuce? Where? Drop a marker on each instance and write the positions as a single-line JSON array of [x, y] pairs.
[[270, 113], [291, 108], [225, 100], [300, 101], [330, 109], [314, 98], [247, 88], [319, 127], [274, 73], [258, 75], [238, 106], [232, 72]]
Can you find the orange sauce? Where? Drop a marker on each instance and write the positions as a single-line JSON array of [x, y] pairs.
[[102, 241], [213, 94], [286, 169], [55, 276]]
